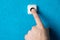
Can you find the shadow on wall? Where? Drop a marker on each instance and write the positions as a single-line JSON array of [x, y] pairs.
[[46, 23], [53, 35]]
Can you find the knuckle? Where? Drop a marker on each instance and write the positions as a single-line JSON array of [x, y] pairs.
[[33, 27], [25, 36], [29, 32]]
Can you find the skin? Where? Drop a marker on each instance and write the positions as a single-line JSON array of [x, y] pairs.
[[37, 32]]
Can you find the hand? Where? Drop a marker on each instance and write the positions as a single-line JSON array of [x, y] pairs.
[[37, 32]]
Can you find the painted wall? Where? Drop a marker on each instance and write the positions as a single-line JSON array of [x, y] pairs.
[[15, 22]]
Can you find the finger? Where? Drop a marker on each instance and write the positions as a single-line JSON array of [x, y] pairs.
[[33, 10], [38, 21]]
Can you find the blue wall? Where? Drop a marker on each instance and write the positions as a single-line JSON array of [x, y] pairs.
[[15, 22]]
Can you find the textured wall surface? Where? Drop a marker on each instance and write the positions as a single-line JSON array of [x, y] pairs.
[[15, 22]]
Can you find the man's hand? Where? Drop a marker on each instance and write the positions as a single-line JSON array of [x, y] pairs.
[[37, 32]]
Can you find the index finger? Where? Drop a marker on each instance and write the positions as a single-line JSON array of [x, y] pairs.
[[37, 19]]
